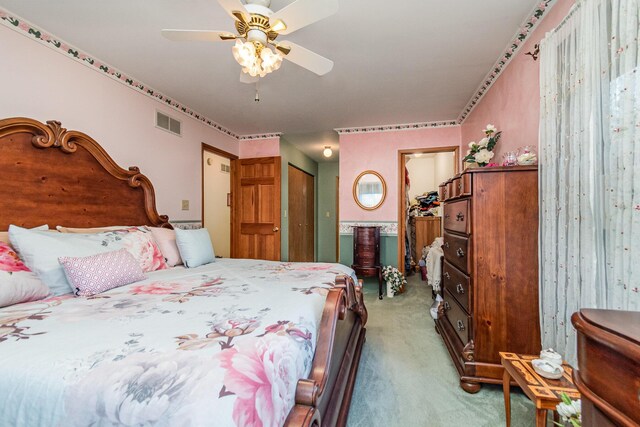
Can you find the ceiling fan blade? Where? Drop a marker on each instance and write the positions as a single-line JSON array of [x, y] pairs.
[[198, 35], [302, 13], [246, 78], [235, 9], [306, 58]]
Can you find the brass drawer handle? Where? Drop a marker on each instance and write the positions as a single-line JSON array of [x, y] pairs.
[[460, 288], [460, 216], [446, 245], [447, 216], [460, 186], [447, 306], [460, 253], [460, 325], [447, 275]]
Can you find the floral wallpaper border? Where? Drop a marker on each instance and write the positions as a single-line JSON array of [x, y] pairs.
[[387, 228], [24, 27], [186, 225], [521, 36], [391, 128]]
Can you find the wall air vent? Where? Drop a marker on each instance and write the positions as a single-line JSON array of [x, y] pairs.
[[168, 123], [225, 168]]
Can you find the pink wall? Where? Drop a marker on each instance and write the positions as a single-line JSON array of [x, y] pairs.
[[39, 83], [379, 152], [259, 148], [512, 104]]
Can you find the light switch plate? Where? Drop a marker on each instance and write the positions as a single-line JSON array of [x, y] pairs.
[[328, 214], [185, 205]]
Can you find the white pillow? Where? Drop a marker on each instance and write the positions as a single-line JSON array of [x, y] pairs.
[[40, 251], [195, 247]]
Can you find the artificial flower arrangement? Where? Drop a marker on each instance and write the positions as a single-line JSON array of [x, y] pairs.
[[481, 152], [395, 280], [570, 411]]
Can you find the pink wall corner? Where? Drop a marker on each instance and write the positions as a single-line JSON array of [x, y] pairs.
[[42, 84], [379, 152], [250, 149], [512, 104]]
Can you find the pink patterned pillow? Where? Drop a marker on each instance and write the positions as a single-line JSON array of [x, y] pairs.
[[140, 243], [17, 283], [95, 274]]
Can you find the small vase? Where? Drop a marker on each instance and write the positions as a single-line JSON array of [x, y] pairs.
[[389, 290]]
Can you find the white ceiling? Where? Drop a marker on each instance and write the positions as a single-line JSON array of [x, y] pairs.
[[395, 61]]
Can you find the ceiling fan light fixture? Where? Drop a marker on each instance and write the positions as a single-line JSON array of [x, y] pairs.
[[327, 152], [244, 53]]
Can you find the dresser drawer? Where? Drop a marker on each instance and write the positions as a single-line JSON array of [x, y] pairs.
[[456, 251], [456, 187], [466, 181], [458, 285], [365, 237], [457, 317], [456, 216], [443, 192], [365, 255]]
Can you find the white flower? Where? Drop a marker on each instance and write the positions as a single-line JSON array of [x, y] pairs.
[[484, 156], [567, 411], [472, 144], [490, 129], [483, 142]]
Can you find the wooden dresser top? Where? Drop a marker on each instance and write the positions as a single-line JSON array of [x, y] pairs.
[[625, 324]]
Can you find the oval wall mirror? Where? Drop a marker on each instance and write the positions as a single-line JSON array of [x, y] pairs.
[[369, 190]]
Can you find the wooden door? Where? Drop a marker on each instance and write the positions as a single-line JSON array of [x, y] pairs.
[[301, 215], [256, 210]]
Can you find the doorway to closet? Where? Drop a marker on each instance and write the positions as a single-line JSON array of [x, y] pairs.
[[420, 171], [216, 197], [301, 215]]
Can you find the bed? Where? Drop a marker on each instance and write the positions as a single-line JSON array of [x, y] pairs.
[[235, 342]]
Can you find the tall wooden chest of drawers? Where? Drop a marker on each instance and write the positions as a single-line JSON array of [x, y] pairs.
[[366, 254], [490, 274]]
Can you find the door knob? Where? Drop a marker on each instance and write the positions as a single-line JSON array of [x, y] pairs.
[[276, 229]]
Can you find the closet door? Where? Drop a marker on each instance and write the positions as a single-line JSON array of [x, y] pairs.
[[301, 215], [256, 208]]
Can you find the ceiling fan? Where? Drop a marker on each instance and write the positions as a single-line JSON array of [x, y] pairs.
[[258, 27]]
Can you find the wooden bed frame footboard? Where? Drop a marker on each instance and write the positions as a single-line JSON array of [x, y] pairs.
[[324, 398]]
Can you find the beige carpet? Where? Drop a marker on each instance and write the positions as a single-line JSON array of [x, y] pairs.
[[406, 377]]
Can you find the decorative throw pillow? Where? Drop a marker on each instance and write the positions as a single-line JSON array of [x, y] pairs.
[[17, 283], [195, 247], [140, 242], [98, 273], [166, 240], [40, 251]]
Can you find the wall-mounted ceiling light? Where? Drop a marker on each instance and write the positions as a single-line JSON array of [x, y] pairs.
[[327, 151]]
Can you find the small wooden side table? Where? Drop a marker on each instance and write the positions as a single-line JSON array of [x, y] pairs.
[[543, 392]]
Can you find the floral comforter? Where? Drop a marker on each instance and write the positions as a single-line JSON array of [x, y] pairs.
[[223, 344]]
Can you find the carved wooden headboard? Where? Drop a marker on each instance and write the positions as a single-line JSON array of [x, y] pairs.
[[59, 177]]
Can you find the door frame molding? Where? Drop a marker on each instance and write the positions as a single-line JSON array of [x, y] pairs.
[[402, 198], [206, 148]]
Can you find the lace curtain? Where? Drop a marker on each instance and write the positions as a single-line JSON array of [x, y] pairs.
[[589, 166]]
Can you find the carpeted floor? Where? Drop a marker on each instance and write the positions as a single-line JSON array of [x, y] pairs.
[[407, 379]]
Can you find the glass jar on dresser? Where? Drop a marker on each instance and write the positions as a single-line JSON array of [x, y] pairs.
[[490, 273]]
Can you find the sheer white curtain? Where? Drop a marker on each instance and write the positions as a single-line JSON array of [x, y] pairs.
[[589, 166]]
